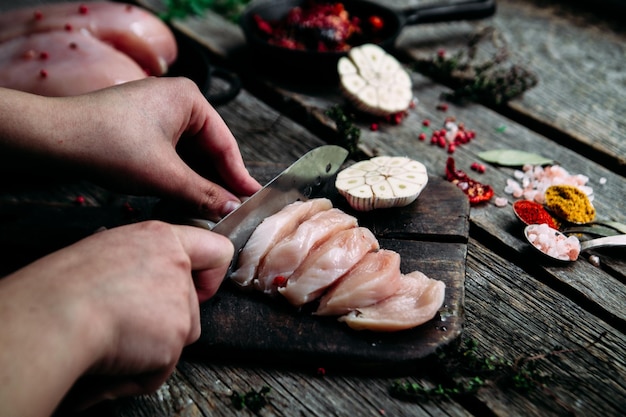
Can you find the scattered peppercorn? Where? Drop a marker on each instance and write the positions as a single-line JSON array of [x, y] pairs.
[[426, 122], [422, 136], [480, 168], [68, 27], [376, 23], [38, 15], [374, 127], [82, 9], [279, 281], [79, 200], [43, 73]]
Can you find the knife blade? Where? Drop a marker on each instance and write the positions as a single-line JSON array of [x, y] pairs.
[[300, 181]]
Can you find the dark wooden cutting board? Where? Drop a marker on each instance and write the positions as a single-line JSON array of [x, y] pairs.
[[431, 236]]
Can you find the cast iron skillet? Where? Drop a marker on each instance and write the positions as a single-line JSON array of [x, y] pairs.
[[326, 62]]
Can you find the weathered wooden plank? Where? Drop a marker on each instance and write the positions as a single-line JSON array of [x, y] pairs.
[[506, 315], [578, 59], [584, 380]]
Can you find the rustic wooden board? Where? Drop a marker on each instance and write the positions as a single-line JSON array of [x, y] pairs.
[[430, 235]]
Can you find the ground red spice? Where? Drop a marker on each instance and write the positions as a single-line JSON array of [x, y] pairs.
[[531, 212]]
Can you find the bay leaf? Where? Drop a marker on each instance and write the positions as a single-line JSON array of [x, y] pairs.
[[620, 227], [513, 157]]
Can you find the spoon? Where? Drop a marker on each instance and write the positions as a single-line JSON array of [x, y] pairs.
[[608, 241]]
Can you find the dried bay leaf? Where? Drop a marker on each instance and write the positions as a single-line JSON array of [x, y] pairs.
[[513, 157]]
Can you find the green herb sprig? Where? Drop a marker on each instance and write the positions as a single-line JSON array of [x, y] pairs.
[[230, 9], [253, 400], [466, 371], [349, 134]]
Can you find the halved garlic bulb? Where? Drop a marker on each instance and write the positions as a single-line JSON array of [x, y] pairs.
[[382, 182], [374, 80]]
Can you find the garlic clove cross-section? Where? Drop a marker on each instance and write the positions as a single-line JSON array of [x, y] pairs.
[[382, 182], [375, 81]]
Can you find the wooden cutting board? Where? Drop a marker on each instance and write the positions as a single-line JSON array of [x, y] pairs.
[[431, 236]]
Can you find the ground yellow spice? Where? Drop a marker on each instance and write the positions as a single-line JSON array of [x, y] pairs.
[[570, 203]]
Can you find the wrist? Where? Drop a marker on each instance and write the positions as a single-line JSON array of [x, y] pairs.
[[48, 341]]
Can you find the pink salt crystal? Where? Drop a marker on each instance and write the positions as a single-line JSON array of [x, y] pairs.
[[501, 202], [553, 243]]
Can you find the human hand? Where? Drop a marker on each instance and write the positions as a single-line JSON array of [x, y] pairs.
[[118, 307], [133, 137]]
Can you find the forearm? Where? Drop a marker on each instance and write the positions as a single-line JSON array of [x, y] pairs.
[[29, 126], [46, 343]]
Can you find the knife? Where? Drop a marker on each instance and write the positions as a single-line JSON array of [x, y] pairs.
[[304, 179]]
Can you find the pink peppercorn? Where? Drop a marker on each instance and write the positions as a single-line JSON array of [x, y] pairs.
[[43, 73], [422, 136], [374, 127], [82, 9], [426, 122]]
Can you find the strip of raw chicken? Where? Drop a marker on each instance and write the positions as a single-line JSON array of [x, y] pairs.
[[283, 259], [327, 263], [418, 300], [63, 64], [129, 29], [271, 231], [374, 278]]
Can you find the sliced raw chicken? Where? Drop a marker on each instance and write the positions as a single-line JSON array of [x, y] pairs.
[[63, 64], [129, 29], [271, 231], [283, 259], [327, 263], [374, 278], [418, 301]]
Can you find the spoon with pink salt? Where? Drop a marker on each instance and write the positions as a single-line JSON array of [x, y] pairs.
[[556, 245]]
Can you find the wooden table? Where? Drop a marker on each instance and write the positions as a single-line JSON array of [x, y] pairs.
[[568, 320]]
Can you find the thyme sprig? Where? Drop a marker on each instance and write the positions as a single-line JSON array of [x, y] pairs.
[[470, 372], [230, 9], [492, 80], [253, 400], [349, 134], [466, 371]]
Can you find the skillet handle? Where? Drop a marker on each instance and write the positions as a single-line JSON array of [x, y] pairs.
[[466, 10]]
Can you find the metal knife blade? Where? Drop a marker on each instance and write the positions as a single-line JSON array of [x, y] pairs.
[[301, 181]]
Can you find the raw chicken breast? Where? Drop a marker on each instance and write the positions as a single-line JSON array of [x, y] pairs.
[[270, 232], [374, 278], [418, 300], [283, 259], [63, 64], [327, 263], [129, 29]]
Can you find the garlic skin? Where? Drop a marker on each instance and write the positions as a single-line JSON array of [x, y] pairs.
[[374, 81], [382, 182]]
